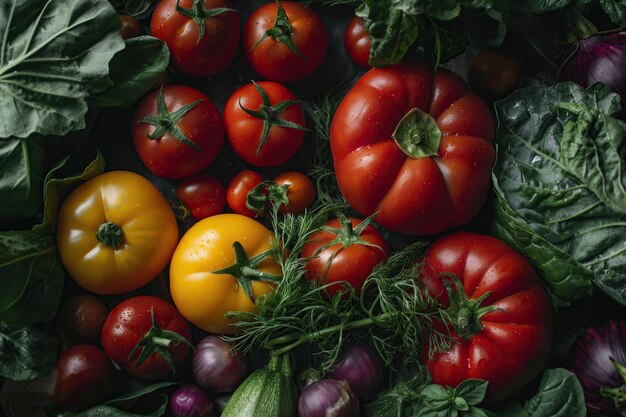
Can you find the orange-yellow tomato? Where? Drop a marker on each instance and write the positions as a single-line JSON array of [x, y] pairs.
[[203, 297], [115, 233]]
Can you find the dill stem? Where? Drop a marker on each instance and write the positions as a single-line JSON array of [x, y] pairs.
[[300, 339]]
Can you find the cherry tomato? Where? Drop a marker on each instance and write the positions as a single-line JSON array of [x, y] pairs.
[[238, 189], [300, 191], [348, 251], [84, 377], [80, 319], [130, 27], [264, 123], [180, 136], [357, 42], [203, 195], [201, 47], [494, 75], [271, 56], [130, 324]]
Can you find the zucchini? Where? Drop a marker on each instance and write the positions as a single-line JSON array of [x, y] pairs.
[[267, 392]]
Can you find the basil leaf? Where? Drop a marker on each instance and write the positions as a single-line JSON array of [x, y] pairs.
[[615, 10], [21, 177], [391, 31], [26, 353], [473, 391], [134, 71], [59, 183], [105, 410], [53, 54], [559, 395], [31, 278], [552, 201]]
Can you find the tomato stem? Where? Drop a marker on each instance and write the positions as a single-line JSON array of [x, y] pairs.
[[161, 341], [281, 32], [110, 234], [417, 134], [199, 14]]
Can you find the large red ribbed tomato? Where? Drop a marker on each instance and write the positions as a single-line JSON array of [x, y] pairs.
[[424, 170], [501, 317]]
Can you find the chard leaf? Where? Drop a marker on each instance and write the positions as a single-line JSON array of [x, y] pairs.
[[21, 177], [26, 353], [550, 199], [559, 395], [53, 54], [391, 31], [62, 179], [134, 71], [31, 278]]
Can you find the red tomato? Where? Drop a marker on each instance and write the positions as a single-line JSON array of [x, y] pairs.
[[344, 259], [300, 191], [417, 195], [193, 52], [494, 75], [203, 195], [130, 323], [238, 189], [274, 106], [510, 344], [185, 139], [271, 57], [130, 27], [84, 377], [357, 42]]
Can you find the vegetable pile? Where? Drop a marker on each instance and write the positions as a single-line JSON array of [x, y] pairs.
[[302, 208]]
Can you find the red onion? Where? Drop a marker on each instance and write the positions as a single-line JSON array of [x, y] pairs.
[[217, 366], [328, 398], [591, 362], [600, 58], [360, 366], [190, 401]]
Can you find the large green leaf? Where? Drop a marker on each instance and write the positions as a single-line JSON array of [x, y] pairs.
[[31, 278], [559, 395], [62, 179], [53, 54], [616, 10], [135, 8], [26, 353], [21, 177], [553, 202], [538, 6], [134, 71]]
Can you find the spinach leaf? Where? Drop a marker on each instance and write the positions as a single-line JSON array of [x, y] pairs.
[[615, 10], [53, 54], [134, 71], [134, 8], [59, 183], [21, 177], [26, 353], [391, 31], [31, 278], [559, 395], [551, 200]]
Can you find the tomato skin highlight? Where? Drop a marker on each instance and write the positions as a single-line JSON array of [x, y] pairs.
[[352, 263], [238, 189], [413, 196], [167, 156], [147, 223], [203, 195], [129, 321], [514, 343], [357, 42], [215, 50], [84, 377], [274, 60], [244, 132], [300, 191]]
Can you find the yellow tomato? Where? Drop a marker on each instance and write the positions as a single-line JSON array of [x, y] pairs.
[[203, 297], [116, 233]]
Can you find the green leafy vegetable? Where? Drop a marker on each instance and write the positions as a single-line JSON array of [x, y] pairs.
[[61, 180], [559, 395], [544, 200], [134, 71], [31, 278], [25, 352], [538, 6], [615, 10], [21, 177], [53, 54], [462, 401], [134, 8]]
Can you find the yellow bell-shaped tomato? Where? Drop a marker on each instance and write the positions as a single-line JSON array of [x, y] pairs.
[[116, 233], [221, 264]]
